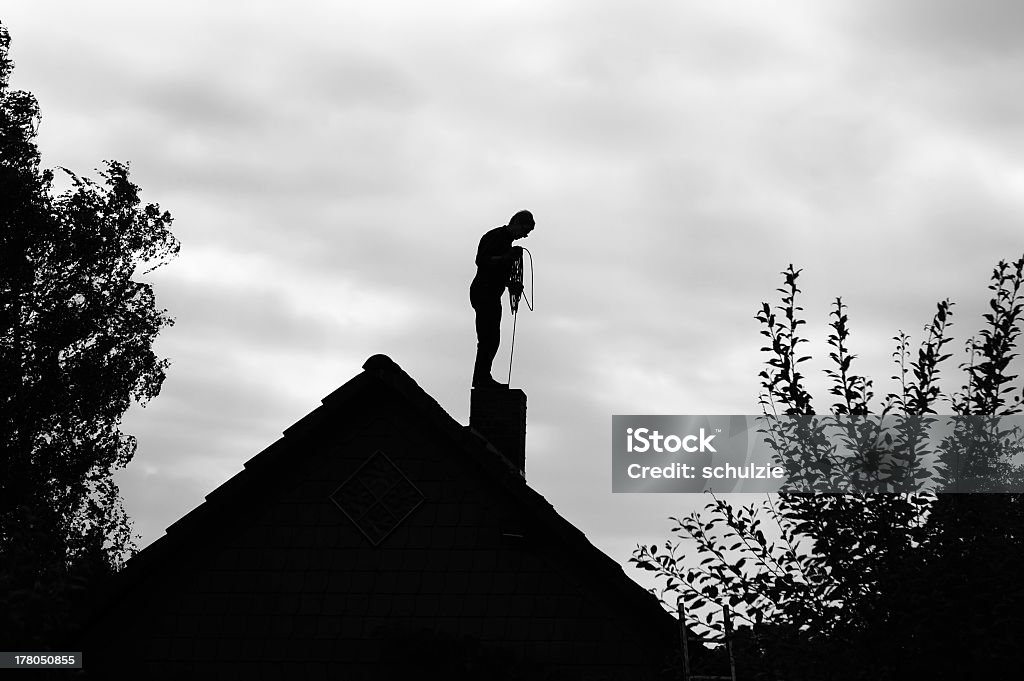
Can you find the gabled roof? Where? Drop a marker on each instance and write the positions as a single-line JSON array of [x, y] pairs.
[[380, 373]]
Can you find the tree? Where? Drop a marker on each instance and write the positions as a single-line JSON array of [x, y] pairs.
[[76, 336], [870, 584]]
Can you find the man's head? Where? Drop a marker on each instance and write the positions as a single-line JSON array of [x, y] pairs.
[[521, 224]]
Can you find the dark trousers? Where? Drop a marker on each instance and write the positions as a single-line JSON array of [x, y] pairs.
[[488, 331]]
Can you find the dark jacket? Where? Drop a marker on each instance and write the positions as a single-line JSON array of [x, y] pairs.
[[492, 277]]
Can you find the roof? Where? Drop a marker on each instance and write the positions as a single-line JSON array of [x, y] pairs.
[[381, 373]]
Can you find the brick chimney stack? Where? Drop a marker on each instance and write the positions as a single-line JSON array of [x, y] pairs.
[[499, 414]]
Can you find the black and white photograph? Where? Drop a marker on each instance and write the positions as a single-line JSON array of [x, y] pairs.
[[268, 411]]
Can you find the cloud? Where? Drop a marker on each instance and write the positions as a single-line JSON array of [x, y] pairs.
[[945, 29]]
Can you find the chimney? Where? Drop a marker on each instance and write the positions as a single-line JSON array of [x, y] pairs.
[[499, 414]]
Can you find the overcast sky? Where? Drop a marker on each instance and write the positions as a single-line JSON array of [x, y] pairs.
[[331, 166]]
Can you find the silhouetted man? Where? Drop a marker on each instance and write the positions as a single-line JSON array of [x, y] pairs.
[[494, 259]]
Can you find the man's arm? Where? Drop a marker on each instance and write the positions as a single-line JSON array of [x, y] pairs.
[[507, 257], [492, 252]]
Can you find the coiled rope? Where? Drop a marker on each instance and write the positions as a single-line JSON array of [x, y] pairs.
[[516, 279]]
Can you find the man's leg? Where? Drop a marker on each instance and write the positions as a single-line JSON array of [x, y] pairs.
[[488, 337]]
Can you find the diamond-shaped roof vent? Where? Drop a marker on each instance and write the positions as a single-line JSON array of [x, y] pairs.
[[377, 497]]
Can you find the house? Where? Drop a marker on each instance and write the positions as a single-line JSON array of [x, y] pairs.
[[379, 538]]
